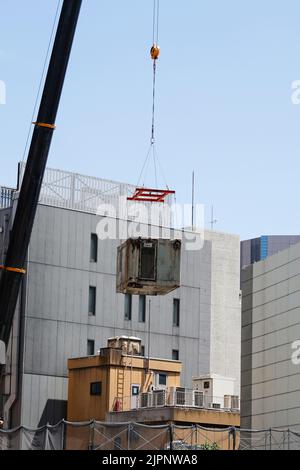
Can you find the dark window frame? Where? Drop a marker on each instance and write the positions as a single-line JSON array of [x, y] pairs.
[[142, 309], [96, 388], [176, 312], [160, 375], [92, 300], [128, 307], [94, 248], [89, 343], [175, 352], [135, 390]]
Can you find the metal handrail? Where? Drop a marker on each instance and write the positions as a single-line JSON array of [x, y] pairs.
[[177, 397], [6, 197]]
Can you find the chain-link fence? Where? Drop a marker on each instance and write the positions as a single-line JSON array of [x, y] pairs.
[[96, 435]]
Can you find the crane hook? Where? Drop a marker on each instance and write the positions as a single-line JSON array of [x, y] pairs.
[[155, 51]]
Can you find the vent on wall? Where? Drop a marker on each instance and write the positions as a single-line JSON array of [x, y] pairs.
[[216, 406]]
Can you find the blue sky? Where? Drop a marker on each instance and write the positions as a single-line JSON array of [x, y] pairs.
[[223, 100]]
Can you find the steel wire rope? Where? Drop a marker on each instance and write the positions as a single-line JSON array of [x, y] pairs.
[[42, 77]]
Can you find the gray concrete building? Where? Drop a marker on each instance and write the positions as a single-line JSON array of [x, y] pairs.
[[270, 364], [258, 249], [69, 307]]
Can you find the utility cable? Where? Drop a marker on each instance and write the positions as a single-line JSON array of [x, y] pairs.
[[42, 77]]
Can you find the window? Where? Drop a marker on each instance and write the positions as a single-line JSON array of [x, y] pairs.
[[162, 379], [206, 384], [142, 308], [135, 390], [90, 347], [128, 306], [143, 351], [96, 388], [175, 354], [92, 300], [94, 248], [176, 312]]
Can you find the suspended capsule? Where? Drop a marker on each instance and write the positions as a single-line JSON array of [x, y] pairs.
[[155, 51]]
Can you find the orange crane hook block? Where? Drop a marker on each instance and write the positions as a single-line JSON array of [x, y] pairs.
[[155, 51]]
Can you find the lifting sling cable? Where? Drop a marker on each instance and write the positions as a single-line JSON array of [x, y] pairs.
[[141, 193], [154, 52]]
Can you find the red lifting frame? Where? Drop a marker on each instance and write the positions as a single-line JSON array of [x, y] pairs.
[[150, 195]]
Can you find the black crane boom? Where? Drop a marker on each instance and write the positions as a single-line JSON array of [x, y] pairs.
[[13, 268]]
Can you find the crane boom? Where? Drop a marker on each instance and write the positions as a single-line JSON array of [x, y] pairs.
[[13, 269]]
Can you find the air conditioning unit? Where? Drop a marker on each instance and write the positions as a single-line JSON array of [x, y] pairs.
[[145, 400], [180, 397], [227, 402], [159, 398], [171, 396], [235, 402], [198, 399]]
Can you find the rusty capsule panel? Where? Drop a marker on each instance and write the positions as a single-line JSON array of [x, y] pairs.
[[148, 266]]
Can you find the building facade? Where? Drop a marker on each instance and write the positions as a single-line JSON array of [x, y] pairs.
[[258, 249], [270, 378], [69, 306]]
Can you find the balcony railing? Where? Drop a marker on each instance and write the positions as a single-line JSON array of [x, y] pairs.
[[6, 197], [177, 397]]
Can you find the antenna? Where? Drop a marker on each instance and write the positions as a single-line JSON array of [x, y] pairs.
[[193, 198], [213, 221]]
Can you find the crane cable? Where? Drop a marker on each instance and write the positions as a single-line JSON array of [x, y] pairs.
[[42, 75], [154, 53], [2, 266]]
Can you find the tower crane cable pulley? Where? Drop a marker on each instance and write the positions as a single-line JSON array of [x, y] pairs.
[[142, 193]]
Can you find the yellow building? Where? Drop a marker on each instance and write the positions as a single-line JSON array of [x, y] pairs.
[[119, 385], [115, 379]]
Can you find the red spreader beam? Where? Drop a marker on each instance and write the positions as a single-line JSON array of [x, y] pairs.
[[150, 195]]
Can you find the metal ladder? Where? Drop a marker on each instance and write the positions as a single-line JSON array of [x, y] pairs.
[[120, 385]]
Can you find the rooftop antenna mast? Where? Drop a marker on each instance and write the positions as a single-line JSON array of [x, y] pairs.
[[193, 198], [213, 221]]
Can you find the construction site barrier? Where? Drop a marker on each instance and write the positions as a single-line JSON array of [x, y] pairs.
[[94, 435]]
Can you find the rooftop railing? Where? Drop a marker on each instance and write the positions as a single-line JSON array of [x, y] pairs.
[[177, 397], [6, 197]]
